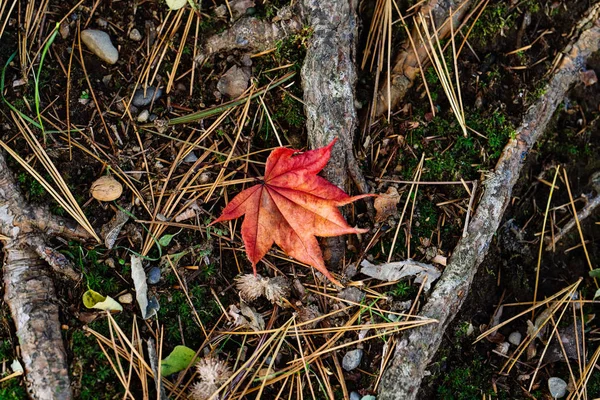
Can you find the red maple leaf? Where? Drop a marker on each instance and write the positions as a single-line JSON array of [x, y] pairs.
[[290, 207]]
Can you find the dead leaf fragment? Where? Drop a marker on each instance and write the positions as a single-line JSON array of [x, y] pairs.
[[402, 269], [385, 204]]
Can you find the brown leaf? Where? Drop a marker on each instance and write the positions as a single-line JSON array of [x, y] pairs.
[[386, 203]]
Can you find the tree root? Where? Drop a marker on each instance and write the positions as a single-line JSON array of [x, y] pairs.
[[417, 347], [29, 289], [328, 80]]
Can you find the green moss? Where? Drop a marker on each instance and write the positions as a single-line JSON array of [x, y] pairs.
[[494, 19], [174, 306], [466, 383], [91, 368]]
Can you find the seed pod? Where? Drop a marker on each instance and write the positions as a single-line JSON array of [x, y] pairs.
[[106, 188]]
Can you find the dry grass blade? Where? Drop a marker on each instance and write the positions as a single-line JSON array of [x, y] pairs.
[[539, 261], [62, 194], [5, 14], [435, 54], [562, 299], [379, 43]]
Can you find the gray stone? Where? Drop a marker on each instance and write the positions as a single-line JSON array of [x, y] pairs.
[[355, 396], [369, 397], [153, 275], [143, 117], [135, 35], [352, 359], [139, 100], [190, 158], [557, 387], [515, 338], [99, 43]]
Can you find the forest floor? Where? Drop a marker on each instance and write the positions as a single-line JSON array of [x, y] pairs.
[[178, 178]]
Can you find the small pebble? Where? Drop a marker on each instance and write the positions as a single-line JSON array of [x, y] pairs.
[[557, 387], [135, 35], [515, 338], [190, 158], [126, 298], [99, 43], [139, 100], [369, 397], [355, 396], [64, 30], [154, 275], [143, 117], [106, 79], [352, 359]]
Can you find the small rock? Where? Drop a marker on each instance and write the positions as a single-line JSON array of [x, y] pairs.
[[64, 30], [143, 117], [246, 60], [352, 359], [515, 338], [239, 7], [139, 100], [191, 158], [153, 275], [135, 35], [106, 79], [557, 387], [355, 396], [152, 117], [234, 82], [126, 298], [221, 11], [99, 43], [369, 397], [353, 294], [589, 77]]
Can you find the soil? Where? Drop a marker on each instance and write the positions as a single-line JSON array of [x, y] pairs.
[[496, 89]]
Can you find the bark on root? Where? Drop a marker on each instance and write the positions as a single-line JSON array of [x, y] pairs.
[[328, 81], [406, 63], [29, 289], [417, 347]]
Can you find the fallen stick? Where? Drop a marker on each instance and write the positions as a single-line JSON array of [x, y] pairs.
[[418, 346], [29, 289]]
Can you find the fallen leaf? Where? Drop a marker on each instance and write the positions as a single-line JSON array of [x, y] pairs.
[[93, 299], [148, 307], [290, 207], [385, 204], [178, 360], [403, 269], [176, 4]]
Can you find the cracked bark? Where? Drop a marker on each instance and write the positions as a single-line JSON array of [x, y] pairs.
[[417, 347], [328, 81], [29, 289]]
